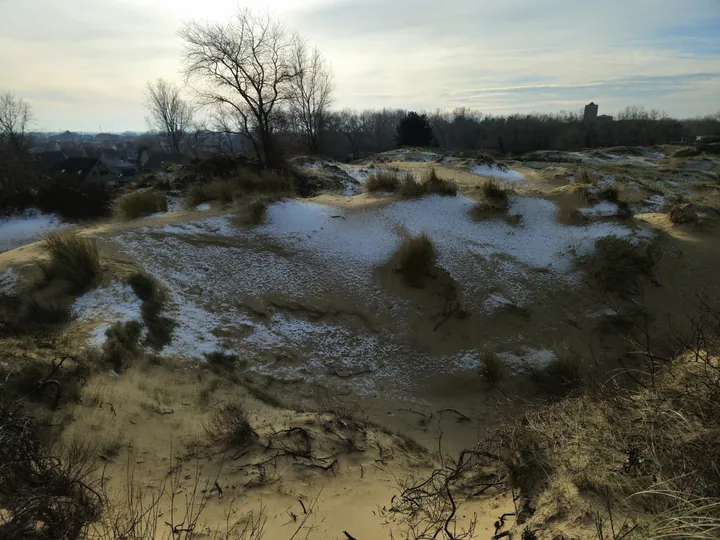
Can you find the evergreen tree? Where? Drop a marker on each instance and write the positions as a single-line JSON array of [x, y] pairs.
[[414, 130]]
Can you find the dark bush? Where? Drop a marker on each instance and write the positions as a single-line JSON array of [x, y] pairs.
[[417, 257], [73, 200]]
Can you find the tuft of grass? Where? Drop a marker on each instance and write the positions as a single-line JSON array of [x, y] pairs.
[[196, 194], [122, 344], [417, 255], [228, 426], [141, 203], [256, 211], [492, 369], [383, 181], [73, 258], [619, 266], [34, 310], [494, 190], [584, 176], [410, 187], [433, 184]]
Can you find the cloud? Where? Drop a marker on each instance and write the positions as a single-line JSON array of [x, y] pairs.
[[85, 63]]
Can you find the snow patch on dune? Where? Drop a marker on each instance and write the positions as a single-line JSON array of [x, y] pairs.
[[8, 280], [107, 305], [505, 174], [18, 231]]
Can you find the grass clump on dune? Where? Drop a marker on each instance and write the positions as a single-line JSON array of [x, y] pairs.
[[496, 198], [410, 187], [383, 181], [228, 426], [433, 184], [73, 258], [141, 203], [492, 368], [256, 211], [417, 255], [159, 327], [264, 182]]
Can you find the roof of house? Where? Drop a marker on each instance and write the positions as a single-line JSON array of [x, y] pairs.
[[51, 158], [78, 166]]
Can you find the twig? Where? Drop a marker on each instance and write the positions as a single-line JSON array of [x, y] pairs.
[[462, 417]]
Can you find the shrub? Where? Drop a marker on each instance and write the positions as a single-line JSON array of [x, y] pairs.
[[197, 194], [141, 203], [265, 182], [584, 176], [411, 187], [43, 494], [618, 265], [73, 258], [682, 212], [609, 193], [432, 183], [228, 426], [492, 369], [144, 287], [121, 344], [383, 181], [221, 361], [159, 328], [74, 200], [221, 190], [417, 257], [561, 375]]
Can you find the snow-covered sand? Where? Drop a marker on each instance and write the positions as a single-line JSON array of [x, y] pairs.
[[115, 303], [18, 231], [8, 280], [317, 254], [507, 175]]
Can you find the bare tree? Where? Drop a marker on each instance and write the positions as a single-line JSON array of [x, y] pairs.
[[310, 92], [16, 116], [245, 70], [170, 115], [354, 126]]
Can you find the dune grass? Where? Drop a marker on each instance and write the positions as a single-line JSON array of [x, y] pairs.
[[256, 211], [492, 368], [433, 184], [228, 426], [141, 203], [71, 257], [410, 187], [383, 181], [417, 255]]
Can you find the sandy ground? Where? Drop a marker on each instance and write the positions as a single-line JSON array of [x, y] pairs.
[[311, 301]]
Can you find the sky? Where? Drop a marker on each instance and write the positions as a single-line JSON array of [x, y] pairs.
[[84, 64]]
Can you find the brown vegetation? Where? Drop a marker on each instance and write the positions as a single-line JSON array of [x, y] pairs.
[[141, 203], [417, 256], [73, 258]]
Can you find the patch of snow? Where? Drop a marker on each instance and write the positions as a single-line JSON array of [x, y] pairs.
[[156, 214], [507, 175], [602, 209], [654, 203], [18, 231], [175, 204], [495, 301], [204, 207], [107, 305], [528, 357], [8, 280]]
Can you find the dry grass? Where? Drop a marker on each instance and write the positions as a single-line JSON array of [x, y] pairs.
[[410, 187], [222, 361], [73, 258], [159, 327], [256, 211], [682, 212], [561, 375], [383, 181], [417, 256], [35, 310], [228, 427], [141, 203], [433, 184]]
